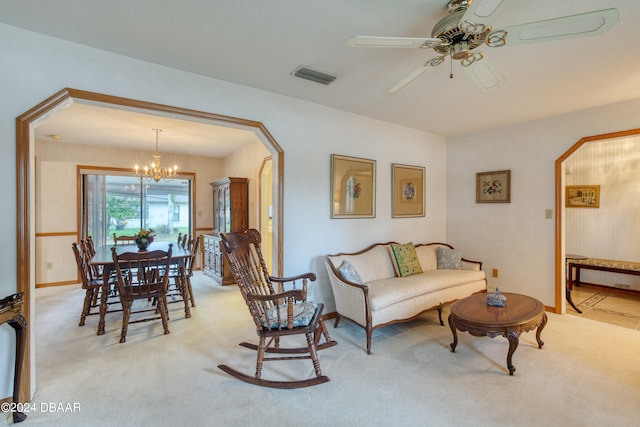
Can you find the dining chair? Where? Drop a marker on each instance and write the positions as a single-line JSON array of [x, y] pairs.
[[277, 314], [90, 283], [143, 276], [124, 240], [185, 239], [88, 251], [192, 245]]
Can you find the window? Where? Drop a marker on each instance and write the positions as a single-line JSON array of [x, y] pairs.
[[123, 204]]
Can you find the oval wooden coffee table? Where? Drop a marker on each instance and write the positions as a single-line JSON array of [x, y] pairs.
[[521, 314]]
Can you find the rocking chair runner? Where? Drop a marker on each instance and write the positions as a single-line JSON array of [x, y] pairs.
[[276, 314]]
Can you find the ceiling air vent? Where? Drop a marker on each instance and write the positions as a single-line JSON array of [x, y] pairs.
[[313, 75]]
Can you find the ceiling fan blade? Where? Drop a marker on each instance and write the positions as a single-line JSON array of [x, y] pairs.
[[482, 9], [427, 66], [581, 25], [477, 18], [484, 74], [402, 42]]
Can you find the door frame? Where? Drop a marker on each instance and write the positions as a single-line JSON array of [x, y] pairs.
[[560, 234], [25, 191]]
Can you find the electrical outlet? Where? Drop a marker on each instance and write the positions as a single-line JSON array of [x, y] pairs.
[[494, 272], [548, 213], [49, 265]]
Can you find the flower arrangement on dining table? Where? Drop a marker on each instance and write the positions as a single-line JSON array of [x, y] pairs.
[[145, 237]]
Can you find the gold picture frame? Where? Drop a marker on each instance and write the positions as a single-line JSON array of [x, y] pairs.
[[493, 187], [353, 187], [407, 191], [582, 196]]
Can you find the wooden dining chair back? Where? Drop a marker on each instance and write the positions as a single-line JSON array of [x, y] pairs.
[[124, 240], [193, 245], [279, 308], [90, 283], [143, 276], [90, 246], [88, 251], [185, 239]]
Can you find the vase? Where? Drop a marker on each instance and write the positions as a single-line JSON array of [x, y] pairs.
[[496, 299], [142, 246]]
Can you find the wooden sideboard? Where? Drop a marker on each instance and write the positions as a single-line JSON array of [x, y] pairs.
[[230, 214]]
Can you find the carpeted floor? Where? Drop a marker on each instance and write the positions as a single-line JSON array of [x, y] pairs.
[[587, 373]]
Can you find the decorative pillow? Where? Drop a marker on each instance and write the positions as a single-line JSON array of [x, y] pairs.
[[406, 259], [348, 272], [302, 314], [449, 259]]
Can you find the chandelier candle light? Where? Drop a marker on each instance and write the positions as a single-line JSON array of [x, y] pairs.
[[156, 171]]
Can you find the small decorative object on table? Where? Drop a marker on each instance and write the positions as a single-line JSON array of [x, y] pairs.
[[496, 299], [144, 238]]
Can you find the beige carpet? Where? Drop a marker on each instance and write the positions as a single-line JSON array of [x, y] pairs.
[[587, 373]]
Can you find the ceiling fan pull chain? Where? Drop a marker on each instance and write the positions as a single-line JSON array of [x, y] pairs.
[[451, 64]]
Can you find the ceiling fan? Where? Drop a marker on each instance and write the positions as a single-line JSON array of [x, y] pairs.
[[468, 26]]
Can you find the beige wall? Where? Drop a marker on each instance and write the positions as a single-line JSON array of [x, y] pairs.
[[246, 163], [56, 194]]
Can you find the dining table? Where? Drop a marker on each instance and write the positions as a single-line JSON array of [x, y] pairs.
[[103, 259]]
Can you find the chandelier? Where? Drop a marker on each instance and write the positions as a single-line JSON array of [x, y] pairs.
[[156, 171]]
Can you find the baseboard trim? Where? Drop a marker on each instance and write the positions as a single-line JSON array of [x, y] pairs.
[[66, 282]]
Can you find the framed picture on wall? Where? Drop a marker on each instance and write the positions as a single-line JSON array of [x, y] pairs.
[[493, 187], [582, 196], [353, 187], [407, 191]]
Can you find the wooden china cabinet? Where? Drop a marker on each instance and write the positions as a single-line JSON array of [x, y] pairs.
[[230, 214]]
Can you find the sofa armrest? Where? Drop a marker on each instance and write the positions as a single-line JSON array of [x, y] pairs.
[[352, 299], [468, 264]]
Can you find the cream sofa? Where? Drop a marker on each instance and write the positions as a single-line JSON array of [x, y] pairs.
[[373, 295]]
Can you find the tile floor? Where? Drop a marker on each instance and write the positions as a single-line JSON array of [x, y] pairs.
[[607, 305]]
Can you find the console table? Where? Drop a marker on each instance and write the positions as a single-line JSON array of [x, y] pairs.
[[10, 313], [612, 266]]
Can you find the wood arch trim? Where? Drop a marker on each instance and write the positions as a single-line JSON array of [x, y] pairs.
[[24, 167], [560, 263]]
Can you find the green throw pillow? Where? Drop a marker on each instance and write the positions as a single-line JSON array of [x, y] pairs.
[[406, 259]]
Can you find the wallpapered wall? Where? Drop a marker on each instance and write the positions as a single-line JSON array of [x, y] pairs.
[[609, 231], [56, 205]]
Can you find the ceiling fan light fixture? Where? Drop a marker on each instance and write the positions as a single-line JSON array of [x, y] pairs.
[[460, 51], [313, 75]]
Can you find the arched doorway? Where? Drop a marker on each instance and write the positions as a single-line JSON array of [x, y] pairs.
[[25, 227], [266, 210], [560, 217]]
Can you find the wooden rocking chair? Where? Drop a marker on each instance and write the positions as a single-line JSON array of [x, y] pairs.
[[276, 314]]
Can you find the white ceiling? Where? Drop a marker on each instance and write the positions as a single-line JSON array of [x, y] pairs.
[[88, 124], [258, 43]]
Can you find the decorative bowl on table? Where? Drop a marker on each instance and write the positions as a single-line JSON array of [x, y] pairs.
[[144, 238]]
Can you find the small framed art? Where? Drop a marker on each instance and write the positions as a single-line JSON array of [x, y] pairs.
[[582, 196], [353, 187], [493, 187], [407, 191]]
